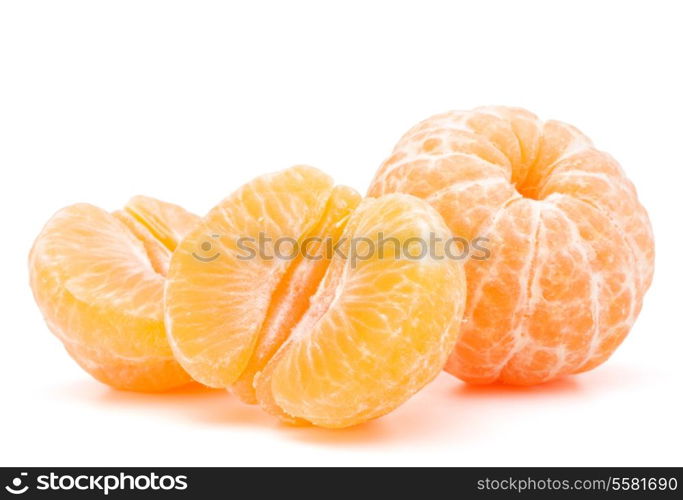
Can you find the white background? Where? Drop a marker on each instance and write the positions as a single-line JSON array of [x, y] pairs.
[[185, 101]]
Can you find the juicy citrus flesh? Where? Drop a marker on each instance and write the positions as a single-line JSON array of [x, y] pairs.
[[319, 338], [290, 299], [375, 332], [571, 247], [98, 280]]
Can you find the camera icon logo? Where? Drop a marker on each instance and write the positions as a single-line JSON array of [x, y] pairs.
[[15, 488], [208, 253]]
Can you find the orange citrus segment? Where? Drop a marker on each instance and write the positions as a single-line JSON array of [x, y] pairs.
[[376, 331], [217, 299], [168, 223], [291, 298], [382, 326], [159, 256], [98, 280]]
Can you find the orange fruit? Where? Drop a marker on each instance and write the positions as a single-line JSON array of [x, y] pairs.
[[571, 248], [98, 280], [320, 337]]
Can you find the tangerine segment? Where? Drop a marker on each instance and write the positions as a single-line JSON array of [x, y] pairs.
[[291, 297], [97, 278], [378, 329], [225, 280], [571, 247], [237, 314]]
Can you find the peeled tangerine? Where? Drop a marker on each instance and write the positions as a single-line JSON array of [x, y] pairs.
[[98, 279], [312, 335], [571, 248]]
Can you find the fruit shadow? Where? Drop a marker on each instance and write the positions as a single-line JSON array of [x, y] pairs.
[[193, 402], [564, 386], [220, 408], [465, 412], [445, 407], [216, 407], [602, 380]]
